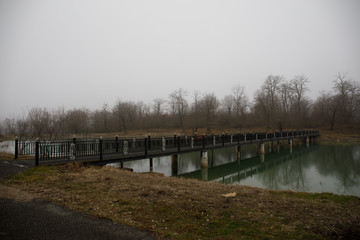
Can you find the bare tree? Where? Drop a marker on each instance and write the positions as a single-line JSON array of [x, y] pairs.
[[143, 111], [38, 118], [125, 113], [77, 121], [228, 103], [20, 127], [326, 109], [158, 110], [240, 99], [285, 99], [271, 88], [105, 115], [157, 106], [101, 119], [298, 86], [179, 105], [195, 110], [210, 106], [54, 123], [262, 106], [267, 99], [348, 92]]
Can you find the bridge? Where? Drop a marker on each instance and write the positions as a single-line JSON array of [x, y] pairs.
[[105, 151]]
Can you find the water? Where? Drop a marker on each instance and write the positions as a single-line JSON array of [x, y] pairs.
[[317, 168], [7, 146]]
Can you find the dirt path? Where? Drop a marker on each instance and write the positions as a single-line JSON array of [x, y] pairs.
[[8, 168], [24, 217]]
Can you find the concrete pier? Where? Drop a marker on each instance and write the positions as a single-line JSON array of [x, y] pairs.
[[204, 159], [307, 141], [262, 149], [204, 163]]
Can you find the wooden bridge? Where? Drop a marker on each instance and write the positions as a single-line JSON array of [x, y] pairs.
[[104, 151]]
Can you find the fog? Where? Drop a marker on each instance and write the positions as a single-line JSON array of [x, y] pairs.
[[74, 53]]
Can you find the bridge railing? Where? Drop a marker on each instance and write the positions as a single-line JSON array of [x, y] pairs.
[[97, 148]]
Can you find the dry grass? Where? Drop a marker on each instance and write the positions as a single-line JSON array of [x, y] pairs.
[[339, 136], [191, 209], [9, 157]]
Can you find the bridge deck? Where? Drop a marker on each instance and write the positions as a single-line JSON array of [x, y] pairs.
[[107, 158]]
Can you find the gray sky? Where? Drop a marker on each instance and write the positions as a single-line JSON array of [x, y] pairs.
[[75, 53]]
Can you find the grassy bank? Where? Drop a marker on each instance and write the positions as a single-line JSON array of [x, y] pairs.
[[178, 208], [328, 136]]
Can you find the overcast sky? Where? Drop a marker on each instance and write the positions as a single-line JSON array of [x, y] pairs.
[[76, 53]]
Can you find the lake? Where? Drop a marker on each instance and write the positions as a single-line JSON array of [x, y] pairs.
[[333, 168]]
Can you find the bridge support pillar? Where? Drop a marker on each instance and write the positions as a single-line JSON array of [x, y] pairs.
[[262, 158], [290, 145], [262, 149], [307, 141], [278, 146], [204, 165], [174, 165]]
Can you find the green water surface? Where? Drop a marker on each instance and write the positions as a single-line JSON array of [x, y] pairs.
[[314, 168]]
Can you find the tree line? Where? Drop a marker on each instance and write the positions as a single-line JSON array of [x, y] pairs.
[[278, 104]]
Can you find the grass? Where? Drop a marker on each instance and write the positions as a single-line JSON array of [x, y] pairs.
[[328, 197], [10, 157], [175, 208]]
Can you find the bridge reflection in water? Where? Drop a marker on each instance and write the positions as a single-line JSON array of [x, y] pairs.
[[316, 168], [235, 171]]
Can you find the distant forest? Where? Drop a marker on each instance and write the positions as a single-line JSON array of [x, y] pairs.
[[278, 104]]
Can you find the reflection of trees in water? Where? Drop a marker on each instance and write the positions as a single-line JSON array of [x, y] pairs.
[[338, 162], [288, 173], [281, 170]]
